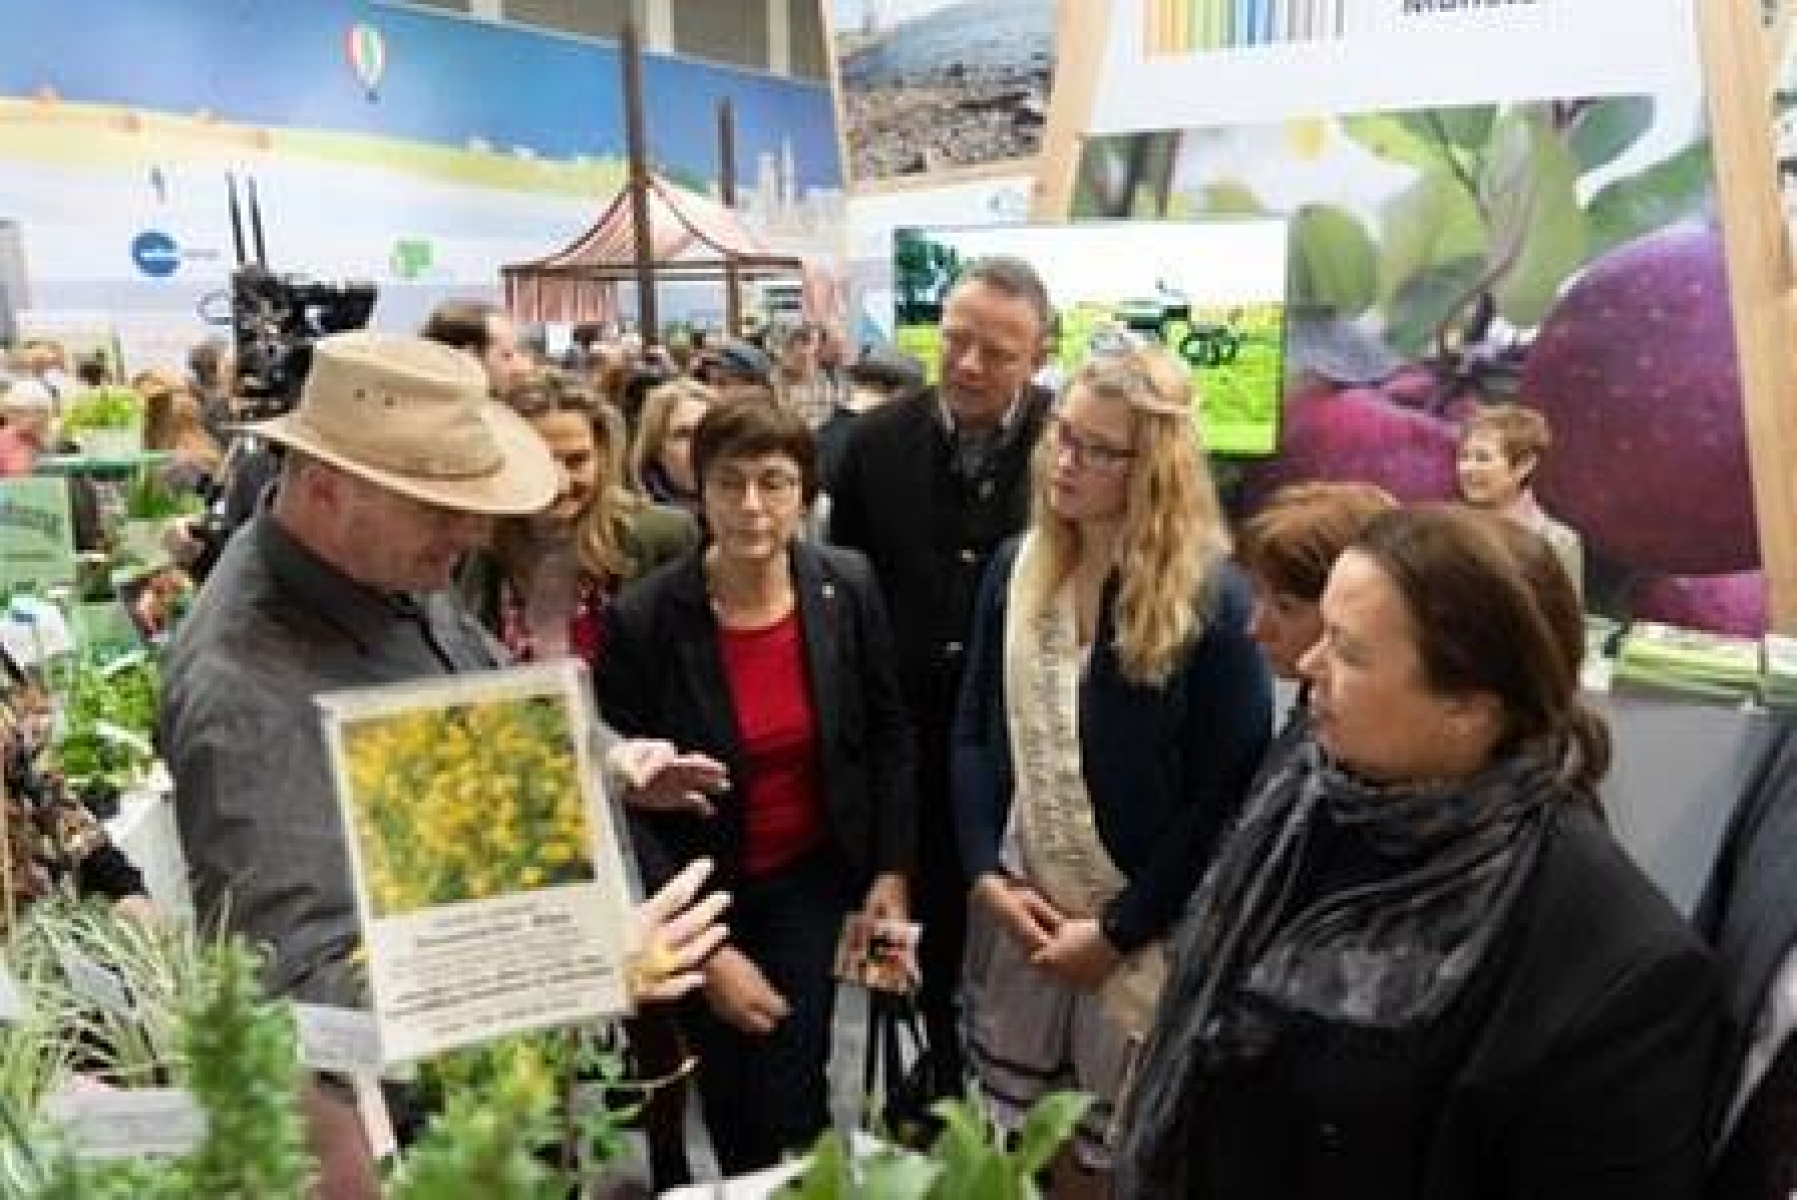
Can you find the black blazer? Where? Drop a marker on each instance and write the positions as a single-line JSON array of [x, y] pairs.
[[929, 529], [662, 675], [1582, 1073]]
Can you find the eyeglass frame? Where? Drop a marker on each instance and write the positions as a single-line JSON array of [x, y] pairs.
[[775, 486], [1087, 455]]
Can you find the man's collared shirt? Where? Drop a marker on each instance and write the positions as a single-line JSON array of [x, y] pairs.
[[274, 627]]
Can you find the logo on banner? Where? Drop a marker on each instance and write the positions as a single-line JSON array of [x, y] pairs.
[[155, 254]]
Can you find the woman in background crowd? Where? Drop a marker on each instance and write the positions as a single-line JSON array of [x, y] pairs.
[[543, 589], [1287, 548], [1113, 713], [174, 422], [1501, 448], [544, 586], [1420, 967], [661, 454], [772, 655]]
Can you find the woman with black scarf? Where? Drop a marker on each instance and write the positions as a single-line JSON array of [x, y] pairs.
[[1421, 967]]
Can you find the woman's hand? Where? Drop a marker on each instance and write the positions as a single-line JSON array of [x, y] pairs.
[[1079, 955], [659, 778], [1019, 909], [740, 994], [676, 936]]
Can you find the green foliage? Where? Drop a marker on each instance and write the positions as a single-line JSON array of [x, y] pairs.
[[103, 408], [1337, 262], [148, 497], [1505, 205], [968, 1161], [100, 700]]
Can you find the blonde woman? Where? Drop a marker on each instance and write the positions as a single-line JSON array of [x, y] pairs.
[[661, 456], [1112, 716]]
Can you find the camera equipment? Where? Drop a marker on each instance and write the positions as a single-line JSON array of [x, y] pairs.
[[276, 318]]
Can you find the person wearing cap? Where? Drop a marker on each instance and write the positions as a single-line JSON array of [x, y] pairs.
[[741, 370], [882, 373], [397, 463], [927, 488]]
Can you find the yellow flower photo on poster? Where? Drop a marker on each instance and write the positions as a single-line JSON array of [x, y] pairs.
[[466, 802], [489, 873]]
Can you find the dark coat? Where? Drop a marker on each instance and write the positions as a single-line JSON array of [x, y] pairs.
[[1585, 1051], [662, 675], [1167, 767], [929, 531]]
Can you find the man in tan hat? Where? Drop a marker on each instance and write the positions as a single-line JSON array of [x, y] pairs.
[[397, 463]]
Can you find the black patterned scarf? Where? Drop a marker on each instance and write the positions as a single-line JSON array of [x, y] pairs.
[[1387, 955]]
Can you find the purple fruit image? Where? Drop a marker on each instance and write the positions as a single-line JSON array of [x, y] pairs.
[[1635, 370], [1357, 433], [1719, 603]]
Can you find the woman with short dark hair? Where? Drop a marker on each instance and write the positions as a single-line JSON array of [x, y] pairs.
[[1421, 967], [772, 655]]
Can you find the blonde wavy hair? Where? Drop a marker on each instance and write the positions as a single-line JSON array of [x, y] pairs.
[[601, 531], [1173, 534], [652, 423]]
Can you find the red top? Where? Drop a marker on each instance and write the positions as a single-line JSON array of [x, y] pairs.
[[766, 671]]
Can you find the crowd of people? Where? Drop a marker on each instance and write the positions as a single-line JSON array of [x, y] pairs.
[[990, 658]]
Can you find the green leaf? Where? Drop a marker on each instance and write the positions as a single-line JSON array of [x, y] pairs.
[[1431, 222], [1467, 128], [827, 1175], [1046, 1128], [1608, 127], [1229, 198], [1425, 301], [1656, 196], [1395, 140], [897, 1177], [1337, 264], [1537, 228]]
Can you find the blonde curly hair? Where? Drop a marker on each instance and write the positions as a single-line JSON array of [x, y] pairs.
[[1173, 534]]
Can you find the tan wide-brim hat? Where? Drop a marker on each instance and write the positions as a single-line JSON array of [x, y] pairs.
[[414, 417]]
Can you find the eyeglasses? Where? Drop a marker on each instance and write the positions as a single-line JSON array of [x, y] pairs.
[[774, 487], [1087, 453]]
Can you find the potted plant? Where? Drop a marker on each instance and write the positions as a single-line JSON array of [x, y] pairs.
[[107, 422]]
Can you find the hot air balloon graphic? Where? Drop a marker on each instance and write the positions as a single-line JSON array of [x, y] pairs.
[[367, 53]]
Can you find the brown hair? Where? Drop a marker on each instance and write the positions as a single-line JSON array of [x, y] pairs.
[[464, 324], [1296, 537], [173, 420], [602, 535], [749, 429], [1520, 432], [652, 423], [1494, 613]]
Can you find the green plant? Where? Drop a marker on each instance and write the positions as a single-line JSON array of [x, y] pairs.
[[104, 408], [968, 1161], [148, 497], [108, 717]]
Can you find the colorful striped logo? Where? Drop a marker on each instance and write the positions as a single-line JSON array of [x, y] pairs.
[[1188, 26]]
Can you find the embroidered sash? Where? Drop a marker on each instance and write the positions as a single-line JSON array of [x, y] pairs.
[[1051, 811]]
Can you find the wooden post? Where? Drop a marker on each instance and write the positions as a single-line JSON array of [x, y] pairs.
[[733, 311], [640, 232], [1080, 36], [1738, 63]]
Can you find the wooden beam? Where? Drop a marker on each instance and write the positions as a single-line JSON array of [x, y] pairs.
[[1081, 33], [1738, 74]]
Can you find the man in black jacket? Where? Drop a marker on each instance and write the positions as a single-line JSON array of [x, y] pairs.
[[927, 488]]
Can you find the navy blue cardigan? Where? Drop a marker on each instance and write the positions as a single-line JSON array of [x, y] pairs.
[[1167, 767]]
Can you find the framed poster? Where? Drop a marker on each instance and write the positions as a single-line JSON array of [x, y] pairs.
[[487, 865]]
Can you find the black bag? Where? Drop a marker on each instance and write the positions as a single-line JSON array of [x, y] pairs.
[[900, 1077]]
